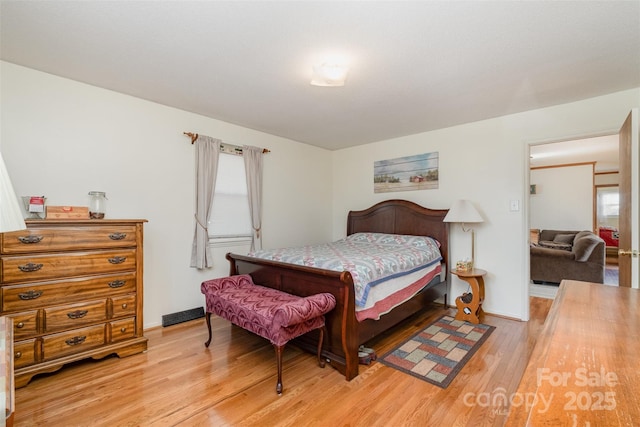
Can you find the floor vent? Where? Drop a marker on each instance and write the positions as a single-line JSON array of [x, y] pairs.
[[182, 316]]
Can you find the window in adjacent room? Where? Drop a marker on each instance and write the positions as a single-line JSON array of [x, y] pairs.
[[608, 205]]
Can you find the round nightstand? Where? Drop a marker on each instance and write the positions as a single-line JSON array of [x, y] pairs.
[[470, 305]]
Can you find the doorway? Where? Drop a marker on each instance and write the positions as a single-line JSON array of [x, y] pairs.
[[573, 186]]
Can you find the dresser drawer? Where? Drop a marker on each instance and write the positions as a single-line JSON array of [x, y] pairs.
[[16, 269], [76, 341], [74, 315], [24, 353], [124, 305], [24, 297], [25, 324], [123, 329], [51, 239]]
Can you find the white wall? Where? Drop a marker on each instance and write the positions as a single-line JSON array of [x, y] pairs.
[[607, 179], [487, 163], [563, 199], [62, 139]]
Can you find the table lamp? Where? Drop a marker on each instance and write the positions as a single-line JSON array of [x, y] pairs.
[[463, 212], [10, 212]]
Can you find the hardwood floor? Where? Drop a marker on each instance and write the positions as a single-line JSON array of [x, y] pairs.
[[179, 382]]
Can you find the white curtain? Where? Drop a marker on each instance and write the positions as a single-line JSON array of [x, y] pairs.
[[253, 170], [207, 153]]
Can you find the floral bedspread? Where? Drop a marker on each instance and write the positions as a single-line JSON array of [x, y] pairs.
[[371, 258]]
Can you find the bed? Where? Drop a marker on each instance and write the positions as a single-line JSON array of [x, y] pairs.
[[344, 332]]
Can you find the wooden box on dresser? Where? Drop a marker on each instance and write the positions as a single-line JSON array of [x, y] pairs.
[[74, 290]]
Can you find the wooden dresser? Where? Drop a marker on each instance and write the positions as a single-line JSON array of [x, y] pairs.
[[73, 290]]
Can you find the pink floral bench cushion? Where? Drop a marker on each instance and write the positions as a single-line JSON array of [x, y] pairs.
[[270, 313]]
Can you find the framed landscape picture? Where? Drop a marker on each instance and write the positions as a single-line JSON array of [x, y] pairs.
[[418, 172]]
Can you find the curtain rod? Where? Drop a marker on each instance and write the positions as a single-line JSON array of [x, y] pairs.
[[194, 137]]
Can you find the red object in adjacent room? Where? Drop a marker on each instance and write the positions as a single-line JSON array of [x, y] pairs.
[[609, 235]]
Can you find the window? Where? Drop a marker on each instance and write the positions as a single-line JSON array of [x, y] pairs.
[[230, 218], [608, 205]]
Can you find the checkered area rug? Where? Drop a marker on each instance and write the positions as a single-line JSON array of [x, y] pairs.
[[437, 353]]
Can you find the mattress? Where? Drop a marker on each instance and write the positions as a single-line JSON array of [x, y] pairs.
[[387, 269]]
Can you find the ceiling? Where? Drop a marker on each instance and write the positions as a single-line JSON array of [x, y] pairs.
[[415, 66], [602, 150]]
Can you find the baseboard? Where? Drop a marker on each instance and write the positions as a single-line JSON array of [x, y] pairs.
[[542, 291]]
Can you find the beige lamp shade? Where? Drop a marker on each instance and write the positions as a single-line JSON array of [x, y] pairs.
[[463, 211], [10, 212]]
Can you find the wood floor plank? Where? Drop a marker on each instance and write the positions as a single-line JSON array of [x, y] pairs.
[[179, 382]]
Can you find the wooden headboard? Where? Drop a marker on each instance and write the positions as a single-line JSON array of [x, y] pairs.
[[402, 217]]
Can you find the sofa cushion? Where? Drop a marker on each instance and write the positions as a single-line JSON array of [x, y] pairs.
[[551, 234], [554, 245], [564, 238], [584, 245]]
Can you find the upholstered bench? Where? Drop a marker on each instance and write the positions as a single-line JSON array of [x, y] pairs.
[[269, 313]]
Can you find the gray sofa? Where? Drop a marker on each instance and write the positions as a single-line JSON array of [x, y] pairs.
[[575, 255]]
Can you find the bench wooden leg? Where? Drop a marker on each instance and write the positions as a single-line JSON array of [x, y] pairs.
[[320, 359], [208, 317], [279, 350]]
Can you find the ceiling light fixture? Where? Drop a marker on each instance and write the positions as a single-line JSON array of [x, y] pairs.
[[330, 75]]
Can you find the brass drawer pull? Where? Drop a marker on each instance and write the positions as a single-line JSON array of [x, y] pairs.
[[117, 259], [30, 267], [30, 239], [29, 295], [117, 283], [76, 340], [18, 354], [123, 330], [124, 305], [20, 325], [117, 236], [78, 314]]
